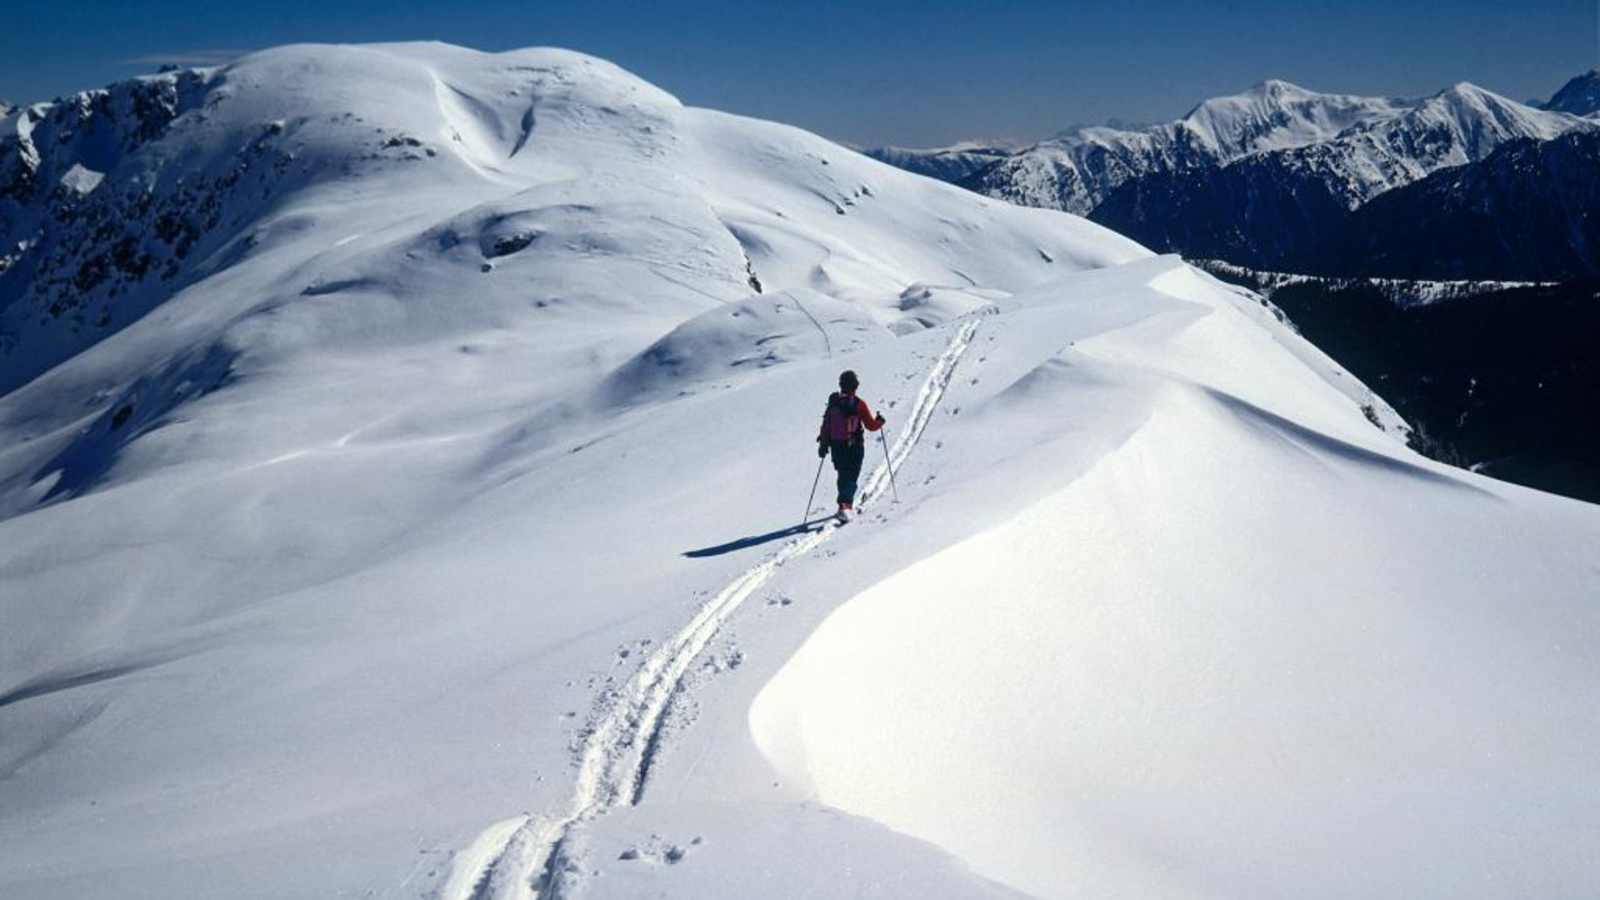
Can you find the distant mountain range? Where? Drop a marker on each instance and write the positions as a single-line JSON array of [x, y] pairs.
[[953, 164], [1274, 177], [1531, 210]]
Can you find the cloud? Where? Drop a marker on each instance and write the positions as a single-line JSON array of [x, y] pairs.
[[209, 57]]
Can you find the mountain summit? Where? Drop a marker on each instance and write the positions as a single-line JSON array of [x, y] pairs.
[[1275, 115], [1580, 96]]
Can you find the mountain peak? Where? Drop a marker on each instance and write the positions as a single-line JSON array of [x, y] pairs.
[[1275, 114], [1465, 89], [1277, 87], [1466, 94], [1579, 96]]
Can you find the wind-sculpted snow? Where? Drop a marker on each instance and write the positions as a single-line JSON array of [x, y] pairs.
[[431, 532], [1196, 692], [756, 333], [621, 744]]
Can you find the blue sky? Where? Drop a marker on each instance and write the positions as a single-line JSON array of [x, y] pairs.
[[912, 73]]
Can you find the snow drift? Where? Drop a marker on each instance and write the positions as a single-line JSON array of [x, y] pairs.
[[1234, 625]]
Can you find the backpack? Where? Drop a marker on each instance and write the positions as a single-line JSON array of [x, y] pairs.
[[842, 422]]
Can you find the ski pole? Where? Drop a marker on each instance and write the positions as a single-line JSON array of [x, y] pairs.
[[885, 441], [814, 482]]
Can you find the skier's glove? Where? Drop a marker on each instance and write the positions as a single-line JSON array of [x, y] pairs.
[[822, 450], [881, 420]]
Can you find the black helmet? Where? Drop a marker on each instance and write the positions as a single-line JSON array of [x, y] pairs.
[[848, 380]]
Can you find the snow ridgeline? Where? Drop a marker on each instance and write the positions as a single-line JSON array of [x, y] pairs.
[[509, 864], [440, 486]]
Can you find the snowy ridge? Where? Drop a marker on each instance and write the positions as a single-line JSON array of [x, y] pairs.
[[1108, 659], [616, 757], [426, 303]]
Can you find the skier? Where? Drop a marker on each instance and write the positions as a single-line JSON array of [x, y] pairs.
[[842, 424]]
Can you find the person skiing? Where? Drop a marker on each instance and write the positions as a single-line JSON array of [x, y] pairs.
[[841, 433]]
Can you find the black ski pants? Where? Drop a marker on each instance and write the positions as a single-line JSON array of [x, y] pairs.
[[847, 458]]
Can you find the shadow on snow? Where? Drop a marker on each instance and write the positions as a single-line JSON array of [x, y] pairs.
[[758, 539]]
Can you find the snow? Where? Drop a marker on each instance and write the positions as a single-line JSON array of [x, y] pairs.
[[81, 180], [1243, 711], [439, 537]]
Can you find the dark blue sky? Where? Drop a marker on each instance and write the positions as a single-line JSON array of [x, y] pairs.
[[912, 73]]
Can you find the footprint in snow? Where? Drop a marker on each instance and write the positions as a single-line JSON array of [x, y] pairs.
[[658, 851]]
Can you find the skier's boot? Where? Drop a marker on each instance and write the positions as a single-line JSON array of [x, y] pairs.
[[844, 513]]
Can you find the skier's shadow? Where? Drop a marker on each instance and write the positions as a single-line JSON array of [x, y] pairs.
[[755, 540]]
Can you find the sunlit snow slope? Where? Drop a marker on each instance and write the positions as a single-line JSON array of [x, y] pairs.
[[425, 527]]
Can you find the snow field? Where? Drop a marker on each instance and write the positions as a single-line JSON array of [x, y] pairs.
[[445, 543]]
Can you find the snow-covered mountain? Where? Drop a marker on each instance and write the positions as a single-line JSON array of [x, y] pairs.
[[953, 164], [398, 454], [1264, 177], [1461, 124], [1076, 170], [1580, 96], [1358, 147], [1274, 209], [1527, 211]]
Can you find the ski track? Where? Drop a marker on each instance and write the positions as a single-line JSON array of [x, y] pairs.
[[522, 858]]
